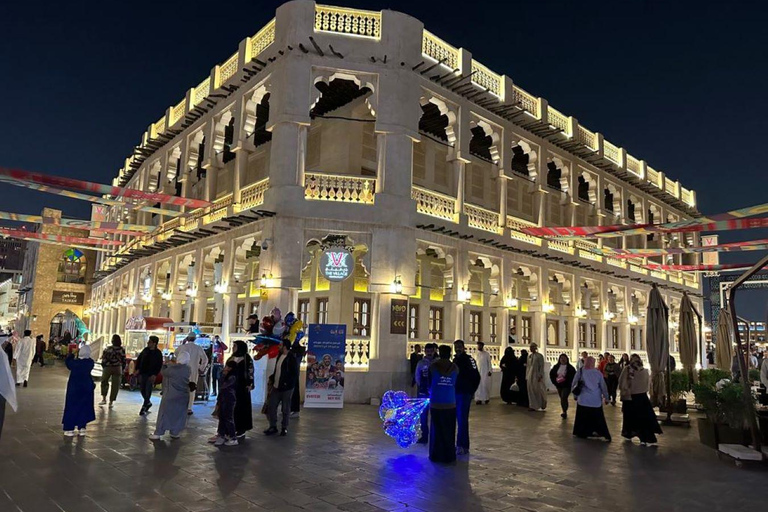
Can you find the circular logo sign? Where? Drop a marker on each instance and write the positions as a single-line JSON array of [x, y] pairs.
[[336, 264]]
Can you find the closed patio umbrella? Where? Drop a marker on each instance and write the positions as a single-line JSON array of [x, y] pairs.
[[657, 341], [724, 346], [688, 342]]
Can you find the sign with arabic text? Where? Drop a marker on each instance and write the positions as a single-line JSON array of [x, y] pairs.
[[75, 298], [336, 264]]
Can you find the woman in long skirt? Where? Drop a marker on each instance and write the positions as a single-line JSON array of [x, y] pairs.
[[521, 398], [508, 365], [592, 392], [243, 388], [172, 415], [639, 419], [78, 408]]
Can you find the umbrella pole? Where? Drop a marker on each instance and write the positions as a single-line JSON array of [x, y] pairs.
[[668, 384]]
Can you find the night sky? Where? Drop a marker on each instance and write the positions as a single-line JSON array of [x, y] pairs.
[[679, 84]]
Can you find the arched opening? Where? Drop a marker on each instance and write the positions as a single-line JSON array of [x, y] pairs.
[[72, 267], [554, 174], [430, 155], [229, 141], [583, 193]]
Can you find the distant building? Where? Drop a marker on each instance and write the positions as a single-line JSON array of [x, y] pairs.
[[56, 282], [11, 257], [9, 300], [756, 332]]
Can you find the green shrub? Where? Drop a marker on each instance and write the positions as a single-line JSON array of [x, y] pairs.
[[679, 384], [709, 377], [723, 406], [754, 375]]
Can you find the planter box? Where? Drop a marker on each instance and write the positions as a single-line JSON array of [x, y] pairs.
[[712, 435], [678, 407], [707, 433]]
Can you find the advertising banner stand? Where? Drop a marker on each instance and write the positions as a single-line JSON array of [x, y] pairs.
[[325, 366]]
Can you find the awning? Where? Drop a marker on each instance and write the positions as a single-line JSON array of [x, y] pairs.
[[146, 323]]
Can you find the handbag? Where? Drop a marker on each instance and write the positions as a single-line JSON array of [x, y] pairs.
[[514, 387], [577, 390]]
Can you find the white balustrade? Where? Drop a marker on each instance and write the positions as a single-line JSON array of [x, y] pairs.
[[339, 187], [435, 204], [348, 21], [481, 218]]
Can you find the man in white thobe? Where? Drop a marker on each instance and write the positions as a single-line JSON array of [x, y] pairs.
[[197, 361], [23, 354], [485, 367]]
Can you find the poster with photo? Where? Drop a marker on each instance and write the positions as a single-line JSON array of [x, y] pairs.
[[326, 347]]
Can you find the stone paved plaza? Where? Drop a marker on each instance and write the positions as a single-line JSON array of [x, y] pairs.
[[341, 460]]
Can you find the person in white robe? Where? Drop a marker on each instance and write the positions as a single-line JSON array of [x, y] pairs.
[[198, 360], [23, 354], [485, 367], [534, 377], [7, 389]]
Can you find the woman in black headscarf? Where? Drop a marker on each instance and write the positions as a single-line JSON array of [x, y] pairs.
[[243, 388], [522, 394], [508, 365]]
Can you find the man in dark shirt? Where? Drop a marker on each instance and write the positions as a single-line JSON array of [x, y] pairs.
[[416, 356], [148, 366], [466, 385]]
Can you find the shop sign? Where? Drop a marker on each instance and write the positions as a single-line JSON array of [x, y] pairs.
[[398, 317], [75, 298], [336, 264]]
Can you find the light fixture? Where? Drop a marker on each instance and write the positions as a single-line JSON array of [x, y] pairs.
[[633, 319], [707, 328], [34, 318], [266, 280], [581, 312], [548, 308], [511, 302], [191, 291], [147, 298], [220, 288], [464, 294], [167, 296], [397, 285], [608, 316], [148, 280]]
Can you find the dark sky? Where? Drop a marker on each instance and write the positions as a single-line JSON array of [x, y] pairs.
[[679, 84]]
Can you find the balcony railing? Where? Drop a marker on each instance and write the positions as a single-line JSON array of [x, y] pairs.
[[262, 39], [487, 79], [514, 225], [481, 218], [558, 120], [339, 187], [348, 21], [527, 102], [560, 245], [438, 50], [253, 195], [434, 204]]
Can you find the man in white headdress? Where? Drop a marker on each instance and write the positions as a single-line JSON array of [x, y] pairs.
[[7, 389], [485, 367], [198, 360], [23, 353]]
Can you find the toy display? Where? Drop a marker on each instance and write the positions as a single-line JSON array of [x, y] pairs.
[[402, 416]]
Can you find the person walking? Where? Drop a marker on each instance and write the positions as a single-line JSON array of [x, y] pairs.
[[243, 388], [8, 348], [218, 348], [582, 360], [78, 406], [413, 360], [508, 365], [623, 362], [485, 367], [611, 372], [522, 386], [39, 351], [467, 383], [562, 375], [590, 390], [198, 361], [112, 366], [148, 366], [282, 382], [7, 388], [423, 385], [534, 378], [225, 407], [23, 353], [639, 419], [601, 362], [171, 416], [443, 377]]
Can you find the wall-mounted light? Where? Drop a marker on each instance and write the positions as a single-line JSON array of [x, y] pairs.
[[464, 294], [266, 280], [220, 288], [191, 291], [34, 318], [167, 296], [633, 319], [581, 312], [707, 328], [147, 298], [608, 316], [148, 280], [511, 302], [397, 285], [548, 308]]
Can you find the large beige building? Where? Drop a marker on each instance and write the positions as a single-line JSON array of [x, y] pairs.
[[334, 130]]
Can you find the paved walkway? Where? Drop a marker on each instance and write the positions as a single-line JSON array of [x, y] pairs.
[[341, 460]]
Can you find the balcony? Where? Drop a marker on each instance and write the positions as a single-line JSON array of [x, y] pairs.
[[253, 195], [481, 218], [434, 204], [339, 187], [514, 225]]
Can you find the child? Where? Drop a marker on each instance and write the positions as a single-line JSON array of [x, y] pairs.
[[225, 434]]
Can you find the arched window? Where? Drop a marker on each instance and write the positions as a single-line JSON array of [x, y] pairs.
[[608, 200], [583, 190], [553, 176], [229, 141], [71, 267]]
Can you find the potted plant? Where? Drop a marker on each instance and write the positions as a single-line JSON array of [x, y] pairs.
[[727, 420], [49, 359], [680, 384], [711, 376]]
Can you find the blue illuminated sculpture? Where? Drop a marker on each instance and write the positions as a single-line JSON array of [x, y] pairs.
[[402, 416]]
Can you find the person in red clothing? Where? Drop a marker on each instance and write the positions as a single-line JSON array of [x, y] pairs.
[[602, 361], [218, 348]]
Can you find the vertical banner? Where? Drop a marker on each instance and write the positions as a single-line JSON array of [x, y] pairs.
[[713, 257], [325, 366], [398, 316]]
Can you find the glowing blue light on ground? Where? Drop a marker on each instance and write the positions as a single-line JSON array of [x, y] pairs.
[[402, 416]]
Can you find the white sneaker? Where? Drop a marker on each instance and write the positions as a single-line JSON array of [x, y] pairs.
[[70, 433], [213, 439], [155, 437], [103, 402], [220, 441], [82, 432], [231, 442], [295, 414]]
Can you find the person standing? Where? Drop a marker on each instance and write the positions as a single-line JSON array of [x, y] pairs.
[[24, 353], [602, 360], [7, 389], [639, 419], [508, 365], [590, 419], [39, 351], [243, 388], [198, 361], [282, 382], [485, 367], [522, 386], [78, 407], [416, 356], [534, 378], [623, 362], [148, 366], [562, 375], [225, 433], [423, 385], [467, 383], [443, 377], [298, 353], [8, 349], [582, 360], [176, 388], [112, 366], [611, 373], [218, 348]]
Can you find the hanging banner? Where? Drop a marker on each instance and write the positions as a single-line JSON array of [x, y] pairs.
[[700, 268], [92, 199], [752, 245], [16, 233], [326, 349], [62, 244], [710, 258], [398, 316], [104, 227], [97, 188]]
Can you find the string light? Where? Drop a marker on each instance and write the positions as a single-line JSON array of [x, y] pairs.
[[402, 417]]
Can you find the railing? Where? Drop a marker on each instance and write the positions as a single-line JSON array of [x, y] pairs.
[[253, 195], [633, 166], [559, 245], [515, 225], [262, 39], [687, 196], [438, 50], [587, 245], [228, 69], [639, 270], [616, 262], [658, 274], [653, 177], [201, 92], [587, 255], [671, 188], [527, 101], [357, 354], [218, 210], [558, 120], [675, 278], [158, 128], [611, 152], [487, 79], [434, 204], [493, 350], [481, 218], [587, 138], [339, 187], [178, 112], [348, 21]]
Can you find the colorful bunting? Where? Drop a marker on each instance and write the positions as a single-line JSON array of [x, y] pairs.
[[752, 245], [700, 268], [17, 233], [102, 227]]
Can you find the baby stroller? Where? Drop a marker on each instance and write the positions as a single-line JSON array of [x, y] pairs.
[[203, 391]]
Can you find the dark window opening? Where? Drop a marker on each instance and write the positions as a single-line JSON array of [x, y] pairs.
[[608, 200], [631, 210], [260, 133], [229, 141], [200, 156], [480, 144], [336, 94], [520, 161], [553, 176], [584, 190], [432, 122]]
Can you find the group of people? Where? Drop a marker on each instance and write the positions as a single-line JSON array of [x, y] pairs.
[[523, 378]]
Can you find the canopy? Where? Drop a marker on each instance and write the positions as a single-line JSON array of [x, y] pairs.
[[688, 341], [146, 323], [725, 340], [657, 341]]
